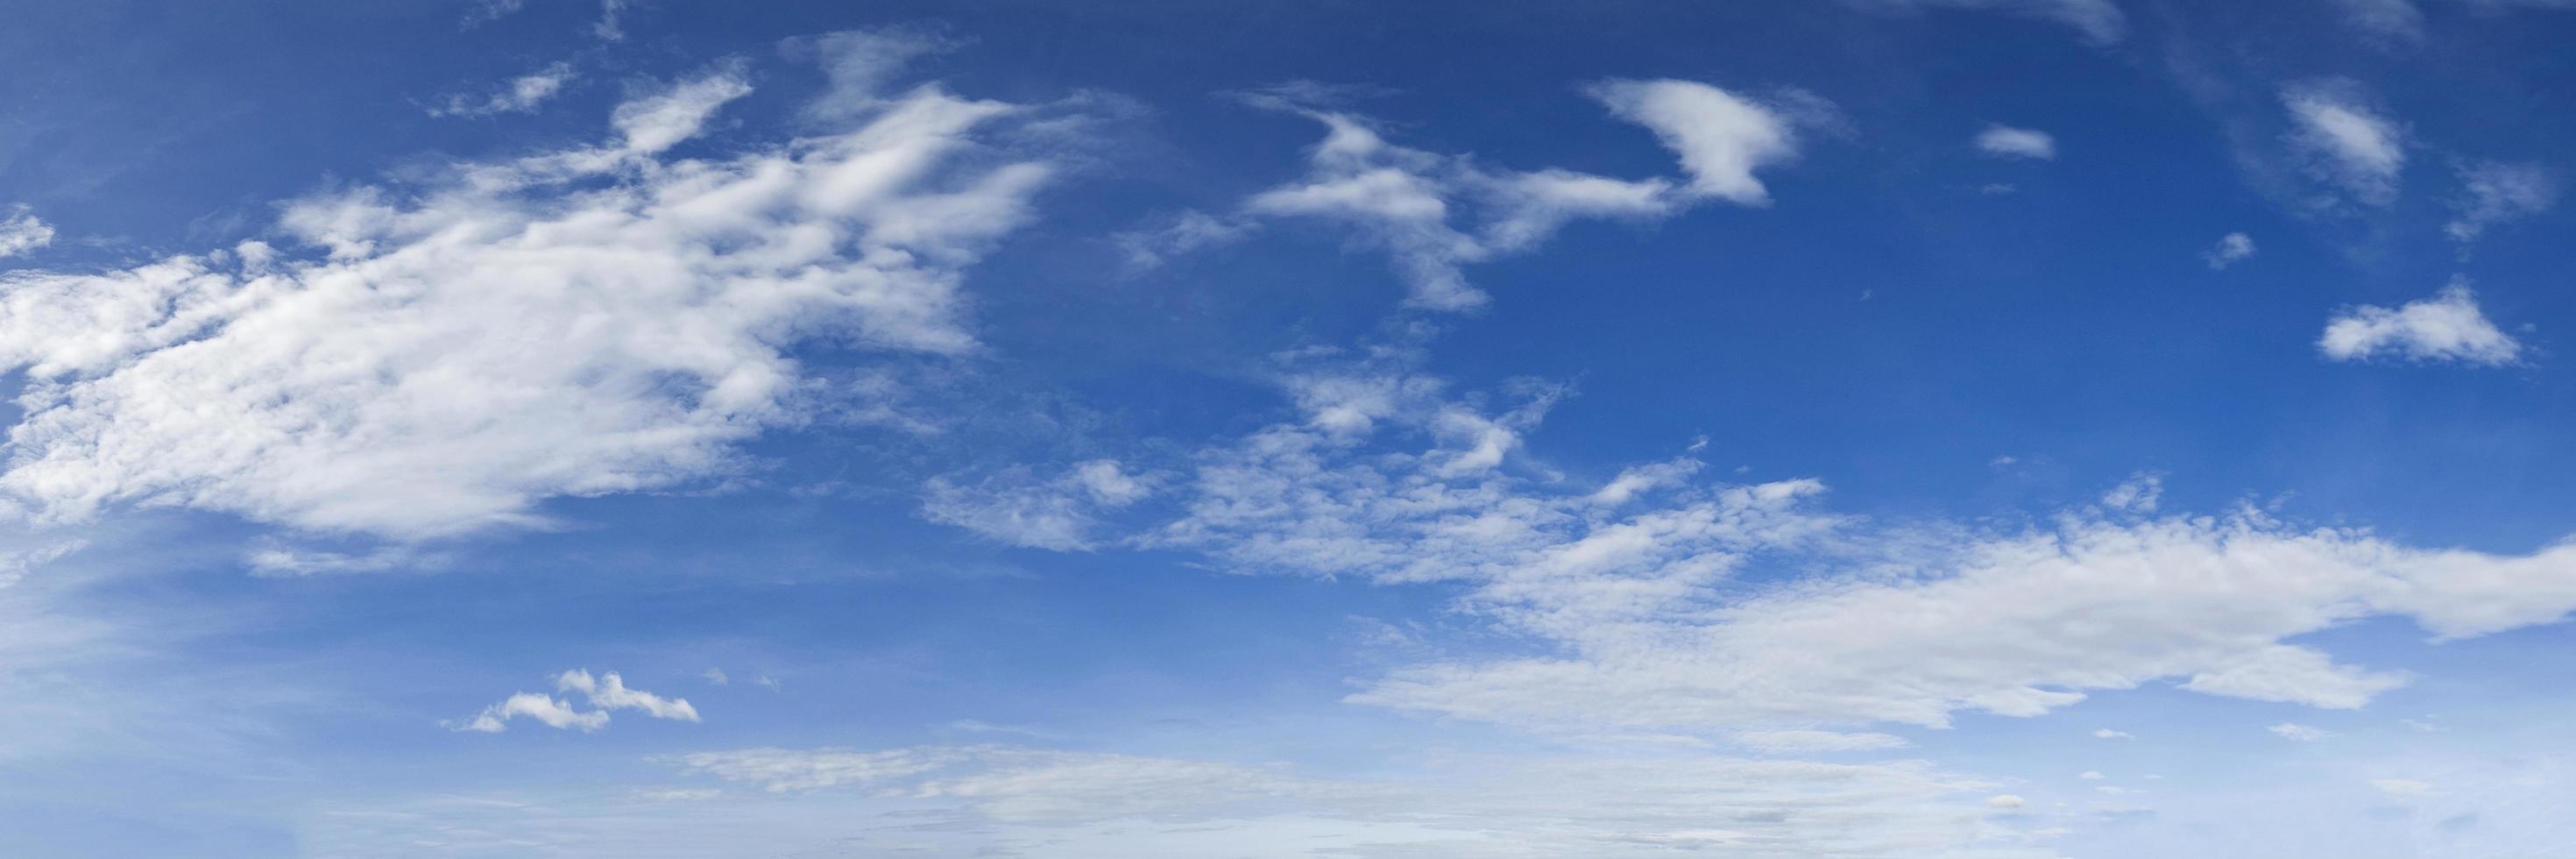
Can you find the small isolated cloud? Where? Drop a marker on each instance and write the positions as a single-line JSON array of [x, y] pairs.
[[605, 692], [21, 231], [2299, 732], [2108, 734], [2393, 19], [715, 676], [2090, 775], [2446, 328], [2003, 141], [2345, 140], [2231, 249], [2493, 192], [1720, 137], [522, 95], [2006, 802], [2404, 787]]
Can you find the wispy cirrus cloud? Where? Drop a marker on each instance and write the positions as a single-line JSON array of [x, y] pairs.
[[438, 358]]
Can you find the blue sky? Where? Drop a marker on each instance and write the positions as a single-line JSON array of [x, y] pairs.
[[1876, 428]]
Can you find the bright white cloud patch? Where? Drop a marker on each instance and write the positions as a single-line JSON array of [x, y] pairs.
[[2398, 19], [2493, 193], [2231, 249], [2007, 142], [605, 692], [1721, 137], [523, 94], [2108, 734], [2346, 140], [2446, 328], [581, 322], [21, 231], [1436, 214]]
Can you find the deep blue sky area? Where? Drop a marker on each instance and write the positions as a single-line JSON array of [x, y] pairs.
[[1028, 428]]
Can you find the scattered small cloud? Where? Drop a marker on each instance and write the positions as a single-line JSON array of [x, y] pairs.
[[605, 692], [2345, 140], [2446, 328], [21, 231], [2108, 734], [2493, 193], [2404, 787], [522, 95], [715, 676], [2004, 141], [2231, 249], [2299, 732]]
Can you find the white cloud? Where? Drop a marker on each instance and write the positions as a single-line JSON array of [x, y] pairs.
[[2099, 20], [545, 709], [21, 231], [2299, 732], [2008, 142], [2108, 734], [605, 692], [2138, 494], [523, 94], [1817, 741], [715, 676], [2091, 775], [2493, 193], [611, 25], [1410, 203], [2231, 249], [2448, 327], [1016, 507], [1644, 621], [1177, 235], [1721, 137], [2390, 18], [2006, 802], [2404, 787], [2346, 140], [572, 323], [1552, 807]]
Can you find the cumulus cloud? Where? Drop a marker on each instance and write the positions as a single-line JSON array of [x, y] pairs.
[[21, 231], [2231, 249], [1436, 214], [2446, 328], [522, 95], [605, 692], [1721, 137], [2108, 734], [2008, 142], [2345, 140], [2100, 21], [2493, 193], [580, 322]]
